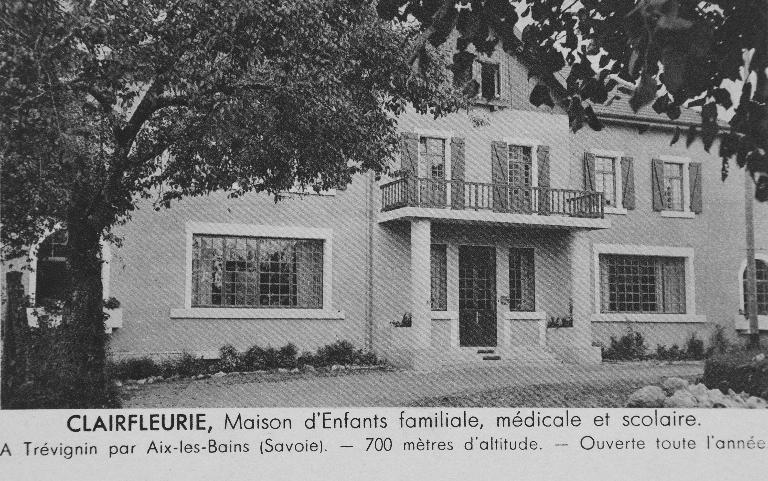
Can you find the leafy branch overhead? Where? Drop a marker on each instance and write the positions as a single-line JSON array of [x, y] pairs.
[[668, 54]]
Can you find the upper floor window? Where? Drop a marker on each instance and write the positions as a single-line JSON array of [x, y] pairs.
[[676, 184], [673, 186], [233, 271], [432, 151], [605, 179], [761, 269], [520, 171], [490, 80]]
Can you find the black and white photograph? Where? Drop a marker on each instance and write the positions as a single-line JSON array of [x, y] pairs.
[[395, 203]]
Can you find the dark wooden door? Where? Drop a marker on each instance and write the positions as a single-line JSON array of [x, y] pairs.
[[477, 296]]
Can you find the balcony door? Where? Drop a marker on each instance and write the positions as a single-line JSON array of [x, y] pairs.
[[433, 189], [520, 179], [477, 296]]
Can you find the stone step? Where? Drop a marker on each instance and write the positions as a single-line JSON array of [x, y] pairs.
[[492, 358], [485, 351]]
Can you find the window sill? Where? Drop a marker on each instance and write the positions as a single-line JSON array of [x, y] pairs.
[[655, 318], [444, 315], [615, 210], [742, 323], [525, 315], [245, 313], [496, 103], [678, 214]]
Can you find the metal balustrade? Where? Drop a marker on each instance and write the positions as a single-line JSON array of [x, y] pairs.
[[461, 195]]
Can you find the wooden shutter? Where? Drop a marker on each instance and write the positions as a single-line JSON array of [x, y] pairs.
[[628, 182], [409, 164], [657, 184], [589, 171], [542, 158], [500, 175], [694, 178], [457, 173]]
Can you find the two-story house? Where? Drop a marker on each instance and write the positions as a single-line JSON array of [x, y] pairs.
[[499, 219]]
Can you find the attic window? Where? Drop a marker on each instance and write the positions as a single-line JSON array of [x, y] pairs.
[[490, 80]]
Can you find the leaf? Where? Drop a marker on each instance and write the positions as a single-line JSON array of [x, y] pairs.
[[691, 135], [675, 136], [540, 95], [592, 119], [644, 93], [729, 144], [723, 97], [709, 125]]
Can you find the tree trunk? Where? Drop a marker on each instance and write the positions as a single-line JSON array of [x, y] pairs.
[[86, 313]]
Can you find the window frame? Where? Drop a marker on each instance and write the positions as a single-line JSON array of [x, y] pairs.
[[256, 230], [684, 162], [533, 144], [761, 318], [690, 315], [616, 155], [497, 78], [532, 250]]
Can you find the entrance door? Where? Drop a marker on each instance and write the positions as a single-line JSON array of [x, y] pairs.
[[477, 296]]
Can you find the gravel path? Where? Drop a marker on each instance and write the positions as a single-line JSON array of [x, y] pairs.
[[558, 385]]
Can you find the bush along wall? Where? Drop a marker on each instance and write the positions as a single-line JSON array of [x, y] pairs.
[[632, 347], [336, 356], [738, 371]]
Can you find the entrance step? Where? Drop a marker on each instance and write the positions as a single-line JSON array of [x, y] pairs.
[[485, 351], [492, 358]]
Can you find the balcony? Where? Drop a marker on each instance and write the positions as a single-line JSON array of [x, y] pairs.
[[501, 203]]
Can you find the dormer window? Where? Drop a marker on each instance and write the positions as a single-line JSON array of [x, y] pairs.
[[490, 80]]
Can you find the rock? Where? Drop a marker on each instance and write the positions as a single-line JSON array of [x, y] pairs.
[[118, 383], [698, 390], [759, 357], [754, 402], [336, 367], [647, 397], [282, 369], [680, 399], [672, 384], [151, 380], [308, 368], [219, 374], [295, 370], [141, 381]]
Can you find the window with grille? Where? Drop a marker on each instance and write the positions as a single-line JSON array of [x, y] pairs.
[[605, 178], [439, 270], [432, 151], [761, 269], [521, 280], [520, 166], [261, 272], [673, 186], [642, 284]]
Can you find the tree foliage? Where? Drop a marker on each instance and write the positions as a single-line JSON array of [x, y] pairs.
[[104, 103], [127, 99], [671, 53]]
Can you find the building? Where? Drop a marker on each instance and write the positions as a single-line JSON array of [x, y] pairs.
[[505, 237]]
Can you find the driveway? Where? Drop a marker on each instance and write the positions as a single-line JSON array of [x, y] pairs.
[[392, 388]]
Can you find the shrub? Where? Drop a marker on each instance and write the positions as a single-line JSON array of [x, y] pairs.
[[718, 342], [188, 365], [340, 352], [286, 356], [111, 303], [138, 368], [694, 348], [630, 346], [230, 359], [738, 370]]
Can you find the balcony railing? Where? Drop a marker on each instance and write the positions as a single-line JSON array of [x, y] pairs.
[[461, 195]]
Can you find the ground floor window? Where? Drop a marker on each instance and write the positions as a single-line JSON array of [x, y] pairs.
[[761, 269], [521, 280], [642, 284], [233, 271], [439, 274], [52, 269]]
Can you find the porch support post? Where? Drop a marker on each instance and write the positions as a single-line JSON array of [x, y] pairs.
[[421, 309], [581, 299]]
